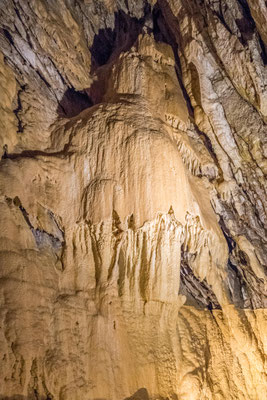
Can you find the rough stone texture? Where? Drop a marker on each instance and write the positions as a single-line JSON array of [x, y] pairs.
[[133, 200]]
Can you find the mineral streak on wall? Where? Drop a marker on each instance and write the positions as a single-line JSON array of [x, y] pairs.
[[133, 199]]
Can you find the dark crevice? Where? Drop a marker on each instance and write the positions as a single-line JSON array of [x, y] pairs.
[[36, 153], [109, 43], [236, 284], [17, 203], [44, 238], [168, 33], [18, 109], [198, 293], [8, 36], [247, 28], [246, 9], [58, 72], [246, 25], [52, 216], [102, 47], [5, 152], [25, 27], [230, 242], [207, 143], [235, 280], [221, 18], [73, 102], [162, 33], [244, 286], [41, 237], [43, 79], [263, 50]]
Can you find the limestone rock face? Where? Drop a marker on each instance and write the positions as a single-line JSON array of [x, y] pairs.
[[133, 200]]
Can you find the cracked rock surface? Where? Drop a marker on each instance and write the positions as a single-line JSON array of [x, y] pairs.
[[133, 199]]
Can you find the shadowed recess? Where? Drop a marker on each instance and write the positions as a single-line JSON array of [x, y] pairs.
[[73, 102], [109, 43]]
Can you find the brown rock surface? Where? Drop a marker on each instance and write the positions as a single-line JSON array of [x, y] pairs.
[[133, 200]]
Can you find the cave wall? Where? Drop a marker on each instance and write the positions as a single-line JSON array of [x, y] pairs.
[[133, 199]]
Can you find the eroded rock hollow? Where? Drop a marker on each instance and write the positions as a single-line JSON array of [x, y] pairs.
[[133, 199]]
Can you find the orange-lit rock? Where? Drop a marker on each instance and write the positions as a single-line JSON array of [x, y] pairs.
[[132, 201]]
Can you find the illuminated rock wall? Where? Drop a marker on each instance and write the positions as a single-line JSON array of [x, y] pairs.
[[133, 200]]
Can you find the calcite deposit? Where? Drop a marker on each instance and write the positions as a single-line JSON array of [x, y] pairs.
[[133, 200]]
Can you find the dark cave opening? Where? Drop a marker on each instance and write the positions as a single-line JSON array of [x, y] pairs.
[[109, 43], [247, 28], [73, 102]]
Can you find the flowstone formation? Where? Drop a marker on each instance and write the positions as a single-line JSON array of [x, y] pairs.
[[133, 200]]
